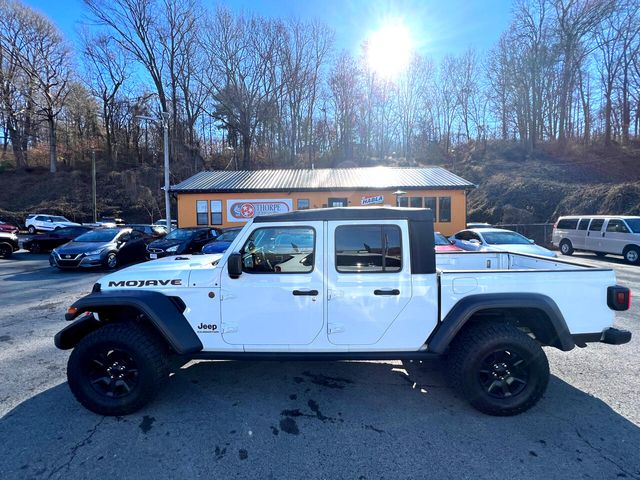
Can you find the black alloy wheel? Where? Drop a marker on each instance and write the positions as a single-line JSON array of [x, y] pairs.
[[113, 373], [503, 374]]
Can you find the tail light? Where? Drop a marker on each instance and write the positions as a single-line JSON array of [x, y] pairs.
[[618, 298]]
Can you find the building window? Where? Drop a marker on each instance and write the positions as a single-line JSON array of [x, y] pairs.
[[216, 212], [201, 212], [403, 201], [337, 202], [444, 210], [303, 204], [430, 202], [279, 250], [415, 202], [368, 249]]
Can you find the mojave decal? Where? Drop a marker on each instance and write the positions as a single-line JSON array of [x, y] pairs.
[[244, 210]]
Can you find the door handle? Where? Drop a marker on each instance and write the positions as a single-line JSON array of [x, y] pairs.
[[395, 291], [603, 234], [310, 293]]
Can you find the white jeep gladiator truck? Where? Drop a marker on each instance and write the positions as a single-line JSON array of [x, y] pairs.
[[339, 284]]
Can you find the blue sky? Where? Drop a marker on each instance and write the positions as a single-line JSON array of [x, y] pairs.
[[438, 27]]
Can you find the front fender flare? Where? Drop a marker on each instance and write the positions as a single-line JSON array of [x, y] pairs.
[[163, 314], [558, 332]]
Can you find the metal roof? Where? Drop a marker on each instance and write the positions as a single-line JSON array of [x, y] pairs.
[[322, 179]]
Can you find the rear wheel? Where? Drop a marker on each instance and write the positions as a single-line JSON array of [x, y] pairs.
[[5, 250], [499, 369], [31, 230], [632, 255], [117, 369], [566, 248]]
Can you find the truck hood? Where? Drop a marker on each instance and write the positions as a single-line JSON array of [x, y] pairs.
[[169, 272]]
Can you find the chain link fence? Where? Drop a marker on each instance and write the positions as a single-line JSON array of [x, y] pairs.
[[539, 232]]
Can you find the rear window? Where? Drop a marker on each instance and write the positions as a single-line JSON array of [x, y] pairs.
[[568, 223], [596, 225], [368, 248]]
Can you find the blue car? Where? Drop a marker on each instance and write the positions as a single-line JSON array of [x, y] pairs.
[[222, 242]]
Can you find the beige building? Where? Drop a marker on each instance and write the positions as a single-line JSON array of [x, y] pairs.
[[227, 198]]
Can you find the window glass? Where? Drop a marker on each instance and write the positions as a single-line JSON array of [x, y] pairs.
[[444, 210], [415, 202], [368, 249], [634, 224], [303, 204], [216, 212], [596, 225], [279, 250], [505, 238], [136, 234], [617, 226], [430, 202], [403, 201], [201, 212], [337, 202], [568, 223], [584, 224]]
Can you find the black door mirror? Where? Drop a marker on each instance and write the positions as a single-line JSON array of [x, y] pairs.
[[234, 265]]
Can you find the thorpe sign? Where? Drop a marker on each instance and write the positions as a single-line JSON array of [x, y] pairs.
[[244, 210]]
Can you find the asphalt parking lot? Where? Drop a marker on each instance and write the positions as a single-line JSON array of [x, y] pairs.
[[352, 420]]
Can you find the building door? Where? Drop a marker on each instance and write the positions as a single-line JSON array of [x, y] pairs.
[[337, 202]]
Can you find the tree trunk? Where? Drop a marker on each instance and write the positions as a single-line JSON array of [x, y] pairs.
[[246, 153], [607, 117], [53, 147]]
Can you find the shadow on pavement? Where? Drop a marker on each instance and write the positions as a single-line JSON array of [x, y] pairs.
[[317, 420]]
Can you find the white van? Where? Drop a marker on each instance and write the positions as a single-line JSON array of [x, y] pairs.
[[601, 234]]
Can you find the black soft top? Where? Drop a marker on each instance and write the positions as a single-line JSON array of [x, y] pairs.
[[350, 213]]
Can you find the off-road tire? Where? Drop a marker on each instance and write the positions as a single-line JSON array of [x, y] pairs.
[[149, 357], [566, 248], [632, 255], [475, 346]]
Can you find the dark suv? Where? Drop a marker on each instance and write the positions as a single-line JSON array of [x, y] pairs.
[[48, 241], [182, 241]]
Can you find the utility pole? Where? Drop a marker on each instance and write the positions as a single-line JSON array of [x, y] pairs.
[[167, 198], [93, 185], [164, 120]]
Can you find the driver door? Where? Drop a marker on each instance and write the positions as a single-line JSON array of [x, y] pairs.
[[278, 298]]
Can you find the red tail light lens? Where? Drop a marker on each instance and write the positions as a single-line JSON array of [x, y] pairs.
[[618, 298]]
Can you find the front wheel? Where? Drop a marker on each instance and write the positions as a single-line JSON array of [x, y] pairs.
[[632, 255], [499, 369], [5, 250], [117, 369], [111, 261]]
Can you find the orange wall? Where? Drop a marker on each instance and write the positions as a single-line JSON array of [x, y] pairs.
[[187, 204]]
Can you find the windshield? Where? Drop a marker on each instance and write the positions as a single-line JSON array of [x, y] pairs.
[[228, 236], [634, 224], [59, 219], [505, 238], [441, 239], [180, 234], [103, 235]]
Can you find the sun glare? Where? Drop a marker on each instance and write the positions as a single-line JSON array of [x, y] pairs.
[[389, 49]]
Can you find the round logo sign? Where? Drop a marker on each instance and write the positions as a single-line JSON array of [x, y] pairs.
[[247, 210]]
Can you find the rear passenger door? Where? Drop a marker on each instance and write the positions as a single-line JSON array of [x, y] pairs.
[[368, 280], [594, 235]]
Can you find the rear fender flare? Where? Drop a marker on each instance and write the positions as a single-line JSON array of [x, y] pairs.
[[554, 326]]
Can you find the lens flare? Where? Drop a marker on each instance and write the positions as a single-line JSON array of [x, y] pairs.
[[389, 49]]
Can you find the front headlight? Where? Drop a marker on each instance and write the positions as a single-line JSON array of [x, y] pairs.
[[95, 252], [172, 249]]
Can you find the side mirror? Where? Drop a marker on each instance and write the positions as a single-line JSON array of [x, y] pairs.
[[234, 265], [531, 240]]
